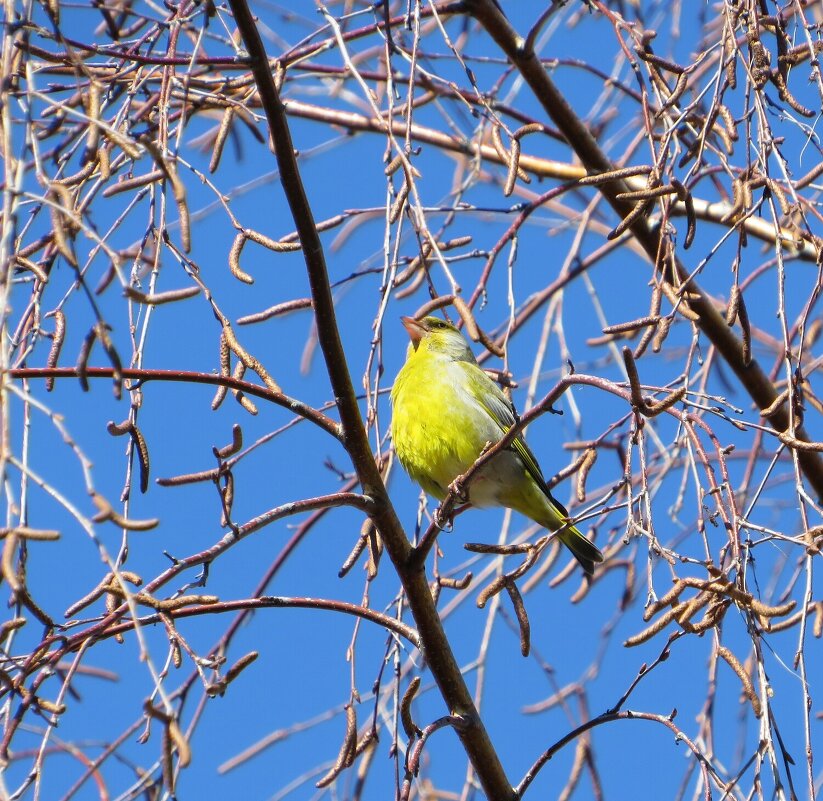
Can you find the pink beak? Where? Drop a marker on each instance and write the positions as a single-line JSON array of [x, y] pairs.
[[416, 329]]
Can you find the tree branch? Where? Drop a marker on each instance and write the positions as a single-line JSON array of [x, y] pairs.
[[266, 602], [716, 212], [580, 139], [436, 647], [608, 717], [186, 377]]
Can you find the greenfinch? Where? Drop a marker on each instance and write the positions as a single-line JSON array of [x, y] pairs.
[[446, 410]]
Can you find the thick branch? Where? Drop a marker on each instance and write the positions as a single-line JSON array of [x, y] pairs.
[[580, 139], [436, 648]]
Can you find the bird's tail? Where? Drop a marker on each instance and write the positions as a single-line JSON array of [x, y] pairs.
[[584, 551]]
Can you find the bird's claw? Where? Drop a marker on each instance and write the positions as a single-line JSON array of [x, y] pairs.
[[443, 521], [458, 492]]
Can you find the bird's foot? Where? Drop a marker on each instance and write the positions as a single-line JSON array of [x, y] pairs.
[[444, 520], [458, 492]]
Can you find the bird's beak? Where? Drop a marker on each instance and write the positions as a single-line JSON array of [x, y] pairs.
[[416, 329]]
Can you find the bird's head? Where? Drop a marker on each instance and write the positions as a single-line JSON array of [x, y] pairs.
[[437, 336]]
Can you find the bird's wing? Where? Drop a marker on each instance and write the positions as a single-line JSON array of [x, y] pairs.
[[489, 395]]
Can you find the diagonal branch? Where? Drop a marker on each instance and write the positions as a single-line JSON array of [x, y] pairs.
[[580, 139], [436, 647]]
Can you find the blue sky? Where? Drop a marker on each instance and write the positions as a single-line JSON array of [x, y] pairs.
[[309, 660]]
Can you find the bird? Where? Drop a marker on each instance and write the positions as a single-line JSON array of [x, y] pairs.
[[446, 411]]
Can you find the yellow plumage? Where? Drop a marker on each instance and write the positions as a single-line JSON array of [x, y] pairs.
[[445, 411]]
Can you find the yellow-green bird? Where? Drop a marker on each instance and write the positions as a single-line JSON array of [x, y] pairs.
[[445, 411]]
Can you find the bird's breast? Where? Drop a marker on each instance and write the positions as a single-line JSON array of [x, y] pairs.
[[438, 428]]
